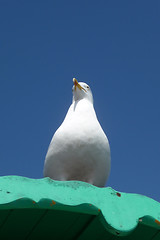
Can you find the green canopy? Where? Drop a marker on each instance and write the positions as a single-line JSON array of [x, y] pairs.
[[47, 209]]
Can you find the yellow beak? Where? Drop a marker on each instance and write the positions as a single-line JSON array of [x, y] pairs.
[[76, 84]]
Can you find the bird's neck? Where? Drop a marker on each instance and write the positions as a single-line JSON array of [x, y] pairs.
[[82, 108]]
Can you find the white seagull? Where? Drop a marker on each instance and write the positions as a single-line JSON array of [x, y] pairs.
[[79, 149]]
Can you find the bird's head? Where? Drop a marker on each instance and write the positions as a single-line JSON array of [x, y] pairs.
[[81, 91]]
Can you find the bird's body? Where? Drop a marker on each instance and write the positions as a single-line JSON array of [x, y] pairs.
[[79, 149]]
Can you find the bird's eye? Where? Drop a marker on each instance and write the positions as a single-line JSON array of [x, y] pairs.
[[87, 87]]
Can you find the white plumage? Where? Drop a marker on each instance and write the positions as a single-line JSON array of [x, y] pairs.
[[79, 149]]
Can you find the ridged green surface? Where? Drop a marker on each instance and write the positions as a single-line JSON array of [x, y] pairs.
[[84, 209]]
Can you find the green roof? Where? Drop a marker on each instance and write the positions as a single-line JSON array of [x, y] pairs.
[[48, 209]]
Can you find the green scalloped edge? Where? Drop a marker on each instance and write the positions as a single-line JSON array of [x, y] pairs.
[[118, 212]]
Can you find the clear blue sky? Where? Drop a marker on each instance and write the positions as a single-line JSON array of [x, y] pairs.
[[114, 46]]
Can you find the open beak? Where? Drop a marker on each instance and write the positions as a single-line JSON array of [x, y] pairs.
[[76, 84]]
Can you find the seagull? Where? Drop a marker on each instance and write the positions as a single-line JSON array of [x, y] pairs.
[[79, 149]]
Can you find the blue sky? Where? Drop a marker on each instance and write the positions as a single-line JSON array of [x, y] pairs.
[[114, 46]]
